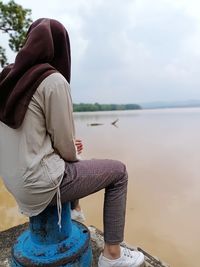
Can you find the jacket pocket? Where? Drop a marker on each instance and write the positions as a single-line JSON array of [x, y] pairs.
[[53, 167]]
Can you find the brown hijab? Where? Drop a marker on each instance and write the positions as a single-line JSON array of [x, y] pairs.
[[46, 50]]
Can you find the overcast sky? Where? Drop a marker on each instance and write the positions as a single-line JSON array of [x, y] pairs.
[[129, 51]]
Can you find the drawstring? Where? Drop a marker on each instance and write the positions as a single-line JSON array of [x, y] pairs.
[[59, 208]]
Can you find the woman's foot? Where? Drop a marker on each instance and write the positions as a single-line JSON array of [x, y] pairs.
[[128, 258]]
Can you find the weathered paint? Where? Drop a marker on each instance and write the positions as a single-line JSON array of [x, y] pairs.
[[45, 244]]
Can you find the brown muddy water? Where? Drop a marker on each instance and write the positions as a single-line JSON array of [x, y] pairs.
[[161, 149]]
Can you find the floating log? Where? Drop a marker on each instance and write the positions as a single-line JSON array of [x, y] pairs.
[[114, 122], [95, 124]]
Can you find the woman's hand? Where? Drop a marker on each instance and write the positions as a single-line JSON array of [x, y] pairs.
[[79, 146]]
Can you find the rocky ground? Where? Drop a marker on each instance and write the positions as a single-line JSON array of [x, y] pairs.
[[8, 237]]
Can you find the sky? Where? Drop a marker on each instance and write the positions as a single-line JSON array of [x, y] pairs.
[[128, 51]]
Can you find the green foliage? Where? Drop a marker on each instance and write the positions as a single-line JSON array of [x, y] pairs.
[[3, 58], [104, 107], [15, 21]]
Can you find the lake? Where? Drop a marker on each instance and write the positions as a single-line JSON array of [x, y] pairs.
[[161, 149]]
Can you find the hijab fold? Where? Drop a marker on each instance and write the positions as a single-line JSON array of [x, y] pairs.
[[46, 50]]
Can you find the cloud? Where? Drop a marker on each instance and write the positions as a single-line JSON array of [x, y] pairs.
[[132, 57], [130, 50]]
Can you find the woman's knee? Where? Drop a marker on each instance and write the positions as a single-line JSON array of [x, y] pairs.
[[120, 170]]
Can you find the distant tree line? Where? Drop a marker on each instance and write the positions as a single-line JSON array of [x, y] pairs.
[[104, 107]]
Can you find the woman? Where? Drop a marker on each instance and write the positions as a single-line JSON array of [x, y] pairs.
[[38, 149]]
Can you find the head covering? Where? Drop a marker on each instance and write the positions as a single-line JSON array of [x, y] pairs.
[[46, 50]]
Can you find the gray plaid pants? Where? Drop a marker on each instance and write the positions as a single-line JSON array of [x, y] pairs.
[[86, 177]]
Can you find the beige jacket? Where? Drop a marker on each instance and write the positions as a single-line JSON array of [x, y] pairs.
[[32, 158]]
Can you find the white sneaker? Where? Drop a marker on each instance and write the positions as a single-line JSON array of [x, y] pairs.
[[129, 258], [78, 216]]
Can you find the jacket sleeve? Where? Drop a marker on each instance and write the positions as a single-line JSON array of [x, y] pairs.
[[58, 109]]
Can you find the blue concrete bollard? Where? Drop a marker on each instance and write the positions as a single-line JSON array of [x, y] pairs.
[[46, 245]]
